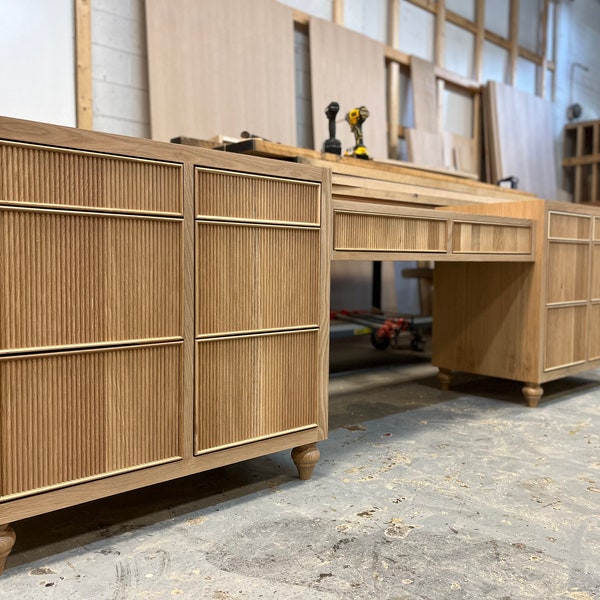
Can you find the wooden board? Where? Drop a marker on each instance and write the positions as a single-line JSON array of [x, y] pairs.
[[426, 148], [221, 67], [425, 97], [348, 68], [521, 139]]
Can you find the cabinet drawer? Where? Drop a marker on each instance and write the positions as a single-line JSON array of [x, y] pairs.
[[566, 338], [71, 278], [254, 277], [569, 226], [255, 387], [240, 196], [74, 416], [40, 175], [356, 231]]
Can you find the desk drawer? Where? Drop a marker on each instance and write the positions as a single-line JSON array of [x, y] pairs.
[[43, 176], [356, 231], [240, 196], [255, 277]]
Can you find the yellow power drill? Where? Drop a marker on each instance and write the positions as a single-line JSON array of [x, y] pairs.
[[356, 117]]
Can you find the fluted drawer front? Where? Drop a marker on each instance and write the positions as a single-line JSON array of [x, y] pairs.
[[255, 277], [388, 233], [243, 196], [254, 387], [78, 415], [80, 278], [39, 175]]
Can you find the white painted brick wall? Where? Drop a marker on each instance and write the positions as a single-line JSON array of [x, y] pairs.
[[120, 68]]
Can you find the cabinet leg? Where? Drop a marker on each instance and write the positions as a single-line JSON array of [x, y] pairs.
[[445, 379], [532, 392], [7, 541], [305, 458]]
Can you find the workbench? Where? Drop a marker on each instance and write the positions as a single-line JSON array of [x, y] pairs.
[[165, 308]]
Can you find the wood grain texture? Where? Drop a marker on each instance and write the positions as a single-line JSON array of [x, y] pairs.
[[204, 80], [426, 148], [253, 387], [39, 175], [568, 272], [72, 416], [490, 238], [81, 278], [256, 198], [566, 336], [569, 226], [256, 278], [360, 81]]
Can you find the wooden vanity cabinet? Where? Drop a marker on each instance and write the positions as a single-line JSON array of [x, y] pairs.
[[530, 322], [163, 311]]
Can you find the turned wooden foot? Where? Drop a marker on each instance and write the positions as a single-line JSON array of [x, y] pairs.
[[532, 392], [7, 541], [444, 378], [305, 458]]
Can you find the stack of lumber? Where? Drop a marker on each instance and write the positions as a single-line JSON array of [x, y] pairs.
[[519, 139]]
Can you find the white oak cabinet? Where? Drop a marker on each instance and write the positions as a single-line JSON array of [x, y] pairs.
[[163, 311]]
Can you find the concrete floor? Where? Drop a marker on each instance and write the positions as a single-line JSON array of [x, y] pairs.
[[419, 494]]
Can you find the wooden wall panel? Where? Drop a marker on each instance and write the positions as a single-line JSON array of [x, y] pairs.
[[81, 278], [41, 175], [79, 415], [256, 277], [221, 68], [254, 387], [348, 68], [242, 196]]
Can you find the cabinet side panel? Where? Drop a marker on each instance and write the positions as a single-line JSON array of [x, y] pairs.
[[73, 416], [253, 387], [491, 325], [568, 274], [594, 331], [74, 279], [39, 175], [566, 336]]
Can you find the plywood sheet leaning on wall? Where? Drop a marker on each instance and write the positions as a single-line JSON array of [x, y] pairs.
[[520, 139], [348, 68], [221, 68]]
